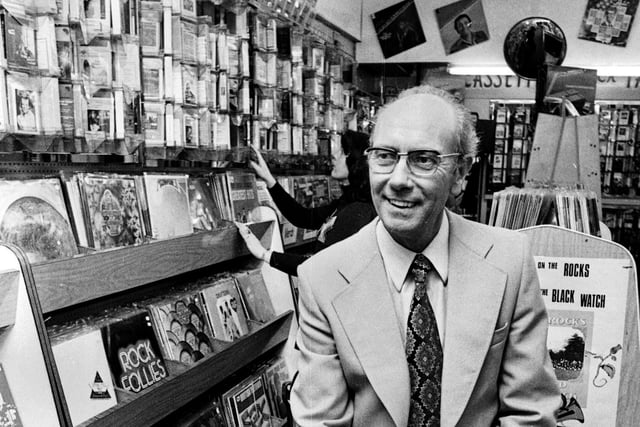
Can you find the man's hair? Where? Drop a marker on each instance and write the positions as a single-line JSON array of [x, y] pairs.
[[464, 131], [459, 18]]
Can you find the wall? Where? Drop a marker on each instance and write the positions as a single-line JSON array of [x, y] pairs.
[[344, 14], [501, 15]]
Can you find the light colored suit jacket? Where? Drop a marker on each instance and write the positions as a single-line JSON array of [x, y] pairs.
[[496, 367]]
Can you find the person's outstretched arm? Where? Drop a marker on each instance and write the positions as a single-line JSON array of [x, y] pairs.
[[298, 215]]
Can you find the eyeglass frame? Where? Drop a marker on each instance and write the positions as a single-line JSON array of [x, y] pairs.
[[399, 154]]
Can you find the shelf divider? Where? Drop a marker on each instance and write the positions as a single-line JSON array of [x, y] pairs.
[[67, 282]]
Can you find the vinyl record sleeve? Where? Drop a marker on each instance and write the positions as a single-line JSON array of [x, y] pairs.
[[223, 306], [33, 216], [112, 210], [256, 296], [85, 376], [205, 213], [181, 324], [133, 352], [247, 402], [168, 201]]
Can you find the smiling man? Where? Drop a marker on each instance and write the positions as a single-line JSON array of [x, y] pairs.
[[423, 318]]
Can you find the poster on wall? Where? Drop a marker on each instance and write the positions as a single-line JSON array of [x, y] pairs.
[[608, 21], [462, 24], [586, 300], [398, 28]]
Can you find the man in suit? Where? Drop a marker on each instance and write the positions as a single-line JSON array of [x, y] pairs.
[[456, 340]]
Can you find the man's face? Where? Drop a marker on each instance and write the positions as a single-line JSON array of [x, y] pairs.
[[339, 163], [24, 105], [462, 25], [411, 206]]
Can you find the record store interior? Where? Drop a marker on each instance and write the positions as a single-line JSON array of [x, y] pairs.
[[157, 156]]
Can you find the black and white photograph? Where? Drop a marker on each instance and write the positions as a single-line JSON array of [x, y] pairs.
[[608, 21], [398, 28], [462, 24], [20, 43], [25, 108]]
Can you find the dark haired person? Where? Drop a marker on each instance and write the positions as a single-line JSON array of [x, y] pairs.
[[467, 37], [340, 219]]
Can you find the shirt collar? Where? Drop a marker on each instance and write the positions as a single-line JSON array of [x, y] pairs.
[[398, 259]]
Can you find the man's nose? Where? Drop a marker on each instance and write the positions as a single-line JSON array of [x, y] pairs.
[[400, 175]]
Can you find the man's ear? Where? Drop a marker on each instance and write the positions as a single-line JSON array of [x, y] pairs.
[[464, 166]]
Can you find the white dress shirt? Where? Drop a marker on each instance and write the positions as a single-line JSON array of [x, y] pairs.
[[397, 259]]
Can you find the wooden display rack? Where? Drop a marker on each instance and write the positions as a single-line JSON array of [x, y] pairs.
[[35, 292], [552, 241]]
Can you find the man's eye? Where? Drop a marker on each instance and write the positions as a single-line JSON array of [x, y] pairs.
[[424, 159], [385, 155]]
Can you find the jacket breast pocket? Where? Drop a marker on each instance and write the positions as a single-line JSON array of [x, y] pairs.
[[500, 334]]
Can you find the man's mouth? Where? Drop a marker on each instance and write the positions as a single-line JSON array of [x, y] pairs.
[[401, 204]]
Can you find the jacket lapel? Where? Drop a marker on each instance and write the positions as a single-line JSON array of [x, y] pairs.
[[367, 314], [474, 294]]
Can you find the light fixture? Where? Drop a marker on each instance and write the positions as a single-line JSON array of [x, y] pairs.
[[474, 70]]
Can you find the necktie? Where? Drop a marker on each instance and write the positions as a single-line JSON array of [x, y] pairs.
[[424, 352]]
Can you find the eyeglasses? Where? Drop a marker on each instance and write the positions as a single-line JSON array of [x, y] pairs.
[[420, 162]]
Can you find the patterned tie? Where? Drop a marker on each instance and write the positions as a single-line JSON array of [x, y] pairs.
[[424, 351]]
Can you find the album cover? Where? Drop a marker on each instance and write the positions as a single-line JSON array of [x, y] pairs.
[[84, 374], [34, 217], [398, 28], [224, 310], [9, 416], [189, 85], [112, 210], [233, 53], [97, 19], [462, 24], [190, 130], [220, 132], [50, 97], [205, 214], [182, 327], [168, 202], [46, 49], [205, 88], [256, 296], [211, 415], [275, 375], [133, 352], [570, 336], [153, 123], [4, 114], [184, 40], [247, 403], [66, 51], [203, 48], [99, 119], [150, 27], [243, 194], [20, 43], [608, 22], [152, 79], [95, 66], [24, 103], [127, 63], [222, 51]]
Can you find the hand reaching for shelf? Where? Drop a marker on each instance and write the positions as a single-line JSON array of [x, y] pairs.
[[259, 166], [253, 244]]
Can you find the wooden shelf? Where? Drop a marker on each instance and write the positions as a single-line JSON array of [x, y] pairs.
[[157, 402], [64, 283], [621, 202]]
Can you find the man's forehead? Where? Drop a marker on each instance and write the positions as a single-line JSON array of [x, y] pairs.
[[419, 110]]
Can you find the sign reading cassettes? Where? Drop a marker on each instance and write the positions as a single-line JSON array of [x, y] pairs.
[[586, 299]]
